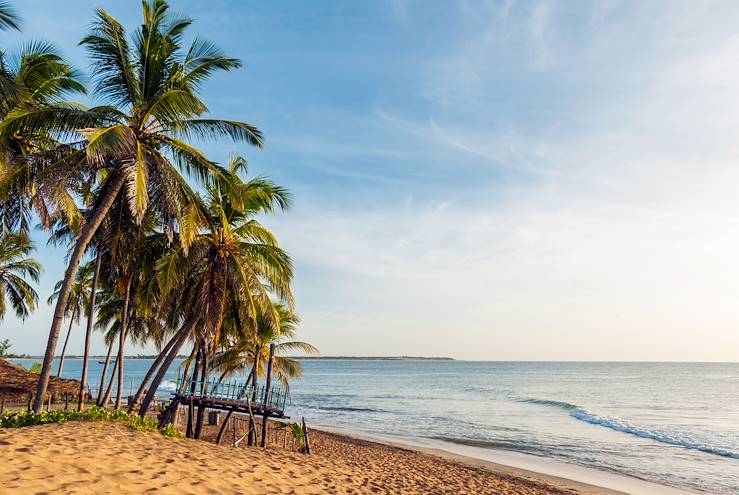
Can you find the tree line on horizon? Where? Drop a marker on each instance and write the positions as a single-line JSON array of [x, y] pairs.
[[164, 245]]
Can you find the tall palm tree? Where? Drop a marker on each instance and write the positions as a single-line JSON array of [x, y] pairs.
[[15, 266], [234, 259], [150, 86], [77, 304]]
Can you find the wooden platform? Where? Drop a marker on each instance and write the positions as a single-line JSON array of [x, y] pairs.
[[232, 396]]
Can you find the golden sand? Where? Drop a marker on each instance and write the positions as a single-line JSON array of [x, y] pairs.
[[104, 457]]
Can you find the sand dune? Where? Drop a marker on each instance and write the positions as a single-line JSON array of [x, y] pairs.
[[101, 458]]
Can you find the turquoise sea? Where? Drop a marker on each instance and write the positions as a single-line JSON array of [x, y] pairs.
[[675, 424]]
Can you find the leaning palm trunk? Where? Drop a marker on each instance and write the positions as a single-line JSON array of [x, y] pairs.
[[150, 373], [64, 347], [105, 372], [182, 335], [83, 241], [88, 333], [109, 390], [122, 343]]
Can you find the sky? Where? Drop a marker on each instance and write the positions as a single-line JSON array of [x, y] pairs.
[[543, 180]]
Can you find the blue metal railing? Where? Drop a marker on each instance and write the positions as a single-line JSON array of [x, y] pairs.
[[234, 392]]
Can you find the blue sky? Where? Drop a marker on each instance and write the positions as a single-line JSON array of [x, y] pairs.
[[486, 180]]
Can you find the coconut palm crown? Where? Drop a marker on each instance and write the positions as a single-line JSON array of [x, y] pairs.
[[136, 143]]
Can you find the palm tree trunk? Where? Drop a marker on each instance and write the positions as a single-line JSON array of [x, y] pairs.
[[196, 369], [152, 369], [122, 342], [105, 372], [88, 332], [193, 385], [91, 226], [119, 366], [204, 380], [109, 390], [64, 347], [182, 336]]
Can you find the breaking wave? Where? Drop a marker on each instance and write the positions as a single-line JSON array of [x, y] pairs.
[[626, 426], [168, 385]]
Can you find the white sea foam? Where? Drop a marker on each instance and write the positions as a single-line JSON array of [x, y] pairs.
[[678, 439], [168, 385], [672, 438]]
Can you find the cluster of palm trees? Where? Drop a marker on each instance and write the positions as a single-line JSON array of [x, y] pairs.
[[164, 244]]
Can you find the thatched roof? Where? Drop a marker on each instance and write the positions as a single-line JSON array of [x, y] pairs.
[[17, 381]]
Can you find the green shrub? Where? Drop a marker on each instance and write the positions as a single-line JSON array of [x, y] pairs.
[[17, 420]]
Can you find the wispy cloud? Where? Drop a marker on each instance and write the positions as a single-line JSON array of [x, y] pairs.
[[508, 180]]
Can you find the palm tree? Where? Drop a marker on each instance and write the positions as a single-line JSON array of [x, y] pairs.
[[234, 259], [150, 89], [8, 18], [35, 76], [241, 350], [15, 266], [77, 304]]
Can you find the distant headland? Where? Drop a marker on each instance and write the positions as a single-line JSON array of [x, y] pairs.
[[375, 358], [302, 358]]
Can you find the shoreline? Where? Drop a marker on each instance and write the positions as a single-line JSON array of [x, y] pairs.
[[585, 480], [56, 458], [106, 457]]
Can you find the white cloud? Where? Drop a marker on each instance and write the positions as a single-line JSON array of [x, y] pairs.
[[619, 224]]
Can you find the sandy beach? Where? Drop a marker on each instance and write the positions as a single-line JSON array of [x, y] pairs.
[[104, 457]]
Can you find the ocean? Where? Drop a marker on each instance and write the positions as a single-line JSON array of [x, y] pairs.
[[671, 423]]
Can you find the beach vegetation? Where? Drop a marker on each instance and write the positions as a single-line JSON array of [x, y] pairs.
[[22, 419], [136, 142], [297, 431], [234, 267], [164, 245], [15, 267]]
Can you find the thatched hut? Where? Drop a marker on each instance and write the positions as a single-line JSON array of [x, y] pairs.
[[18, 384]]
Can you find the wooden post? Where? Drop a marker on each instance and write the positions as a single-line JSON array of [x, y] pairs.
[[2, 405], [66, 401], [267, 386], [190, 412], [233, 430], [214, 418], [305, 437], [30, 400]]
